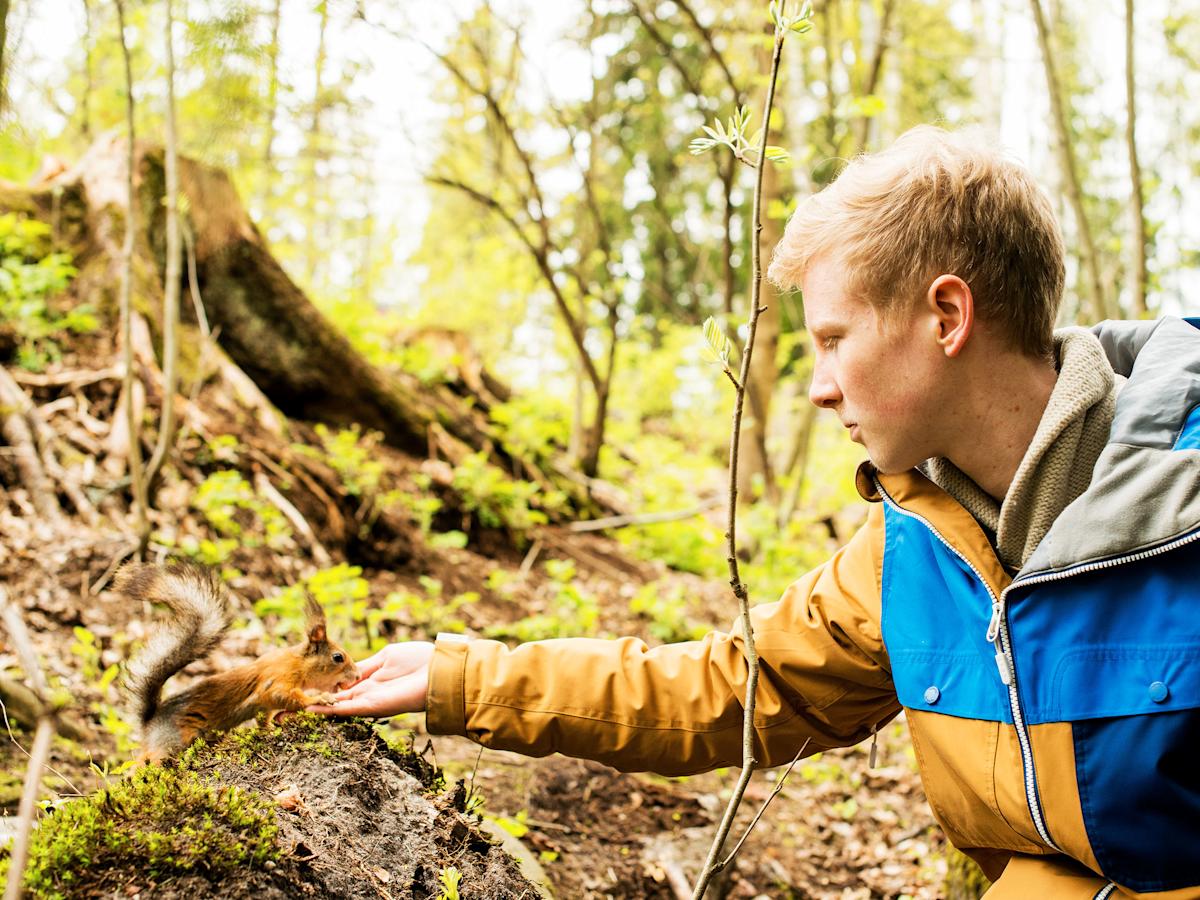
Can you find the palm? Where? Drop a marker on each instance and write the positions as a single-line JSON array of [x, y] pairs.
[[393, 681]]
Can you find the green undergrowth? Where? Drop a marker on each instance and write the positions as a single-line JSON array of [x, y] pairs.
[[160, 820], [185, 817]]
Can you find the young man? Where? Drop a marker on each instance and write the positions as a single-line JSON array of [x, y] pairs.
[[1024, 588]]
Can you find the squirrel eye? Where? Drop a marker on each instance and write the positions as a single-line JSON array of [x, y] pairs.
[[338, 657]]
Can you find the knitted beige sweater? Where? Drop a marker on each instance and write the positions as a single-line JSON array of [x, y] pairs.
[[1058, 465]]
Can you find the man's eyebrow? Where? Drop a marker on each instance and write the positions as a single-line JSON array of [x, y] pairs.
[[824, 326]]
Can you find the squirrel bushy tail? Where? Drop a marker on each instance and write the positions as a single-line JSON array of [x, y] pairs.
[[199, 605]]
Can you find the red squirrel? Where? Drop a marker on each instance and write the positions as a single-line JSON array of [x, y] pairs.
[[289, 678]]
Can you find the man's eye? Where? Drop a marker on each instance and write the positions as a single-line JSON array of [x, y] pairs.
[[829, 343]]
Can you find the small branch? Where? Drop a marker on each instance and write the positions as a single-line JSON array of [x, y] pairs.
[[72, 379], [739, 589], [541, 258], [19, 637], [14, 425], [762, 809], [706, 35], [641, 518], [530, 558], [23, 705], [263, 485]]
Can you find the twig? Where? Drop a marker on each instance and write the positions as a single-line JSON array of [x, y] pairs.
[[762, 809], [530, 557], [642, 518], [46, 439], [49, 768], [711, 865], [263, 485], [591, 560], [112, 568], [471, 786], [16, 431], [23, 705], [72, 379], [19, 636]]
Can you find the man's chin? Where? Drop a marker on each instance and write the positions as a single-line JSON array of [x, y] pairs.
[[890, 465]]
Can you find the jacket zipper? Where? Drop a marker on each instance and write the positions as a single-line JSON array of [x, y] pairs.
[[1004, 663], [997, 635]]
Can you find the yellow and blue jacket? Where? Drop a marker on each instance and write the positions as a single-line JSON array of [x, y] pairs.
[[1055, 714]]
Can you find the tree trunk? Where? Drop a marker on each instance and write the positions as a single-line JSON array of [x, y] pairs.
[[3, 41], [871, 83], [1087, 246], [755, 463], [316, 152], [132, 420], [1135, 173], [172, 278], [269, 329], [85, 124], [272, 102]]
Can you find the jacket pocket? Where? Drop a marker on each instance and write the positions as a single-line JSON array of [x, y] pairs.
[[1139, 790]]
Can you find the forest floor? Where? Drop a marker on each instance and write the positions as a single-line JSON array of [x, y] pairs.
[[838, 829]]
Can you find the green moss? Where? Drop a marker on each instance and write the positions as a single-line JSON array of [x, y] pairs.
[[299, 731], [160, 821]]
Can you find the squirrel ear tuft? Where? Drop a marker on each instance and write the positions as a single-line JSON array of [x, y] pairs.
[[315, 616], [316, 634]]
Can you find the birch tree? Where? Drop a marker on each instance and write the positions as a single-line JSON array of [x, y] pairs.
[[170, 318], [1137, 199], [1092, 284]]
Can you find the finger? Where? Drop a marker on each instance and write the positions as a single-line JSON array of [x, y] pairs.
[[402, 695], [358, 706], [370, 665], [355, 690]]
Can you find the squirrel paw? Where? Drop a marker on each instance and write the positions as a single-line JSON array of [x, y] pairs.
[[325, 698]]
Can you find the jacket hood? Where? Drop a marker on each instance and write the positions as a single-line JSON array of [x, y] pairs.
[[1145, 489]]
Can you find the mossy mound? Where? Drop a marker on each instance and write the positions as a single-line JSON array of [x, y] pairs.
[[313, 809]]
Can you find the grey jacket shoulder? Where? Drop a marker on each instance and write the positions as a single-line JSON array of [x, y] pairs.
[[1145, 489]]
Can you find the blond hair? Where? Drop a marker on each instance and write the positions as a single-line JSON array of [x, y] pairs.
[[937, 203]]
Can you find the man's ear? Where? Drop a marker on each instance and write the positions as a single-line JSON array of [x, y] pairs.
[[950, 300]]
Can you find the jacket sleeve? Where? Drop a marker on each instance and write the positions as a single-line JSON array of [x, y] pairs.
[[677, 709]]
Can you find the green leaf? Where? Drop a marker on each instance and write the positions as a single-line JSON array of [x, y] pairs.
[[717, 342]]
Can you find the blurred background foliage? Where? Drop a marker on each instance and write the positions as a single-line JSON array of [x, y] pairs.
[[519, 173]]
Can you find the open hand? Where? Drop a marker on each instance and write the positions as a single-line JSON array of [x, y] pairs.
[[395, 680]]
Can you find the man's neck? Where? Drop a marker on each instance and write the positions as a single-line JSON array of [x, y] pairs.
[[999, 418]]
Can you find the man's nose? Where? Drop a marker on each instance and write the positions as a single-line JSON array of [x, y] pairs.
[[823, 390]]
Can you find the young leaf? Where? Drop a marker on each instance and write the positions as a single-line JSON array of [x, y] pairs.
[[717, 342]]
